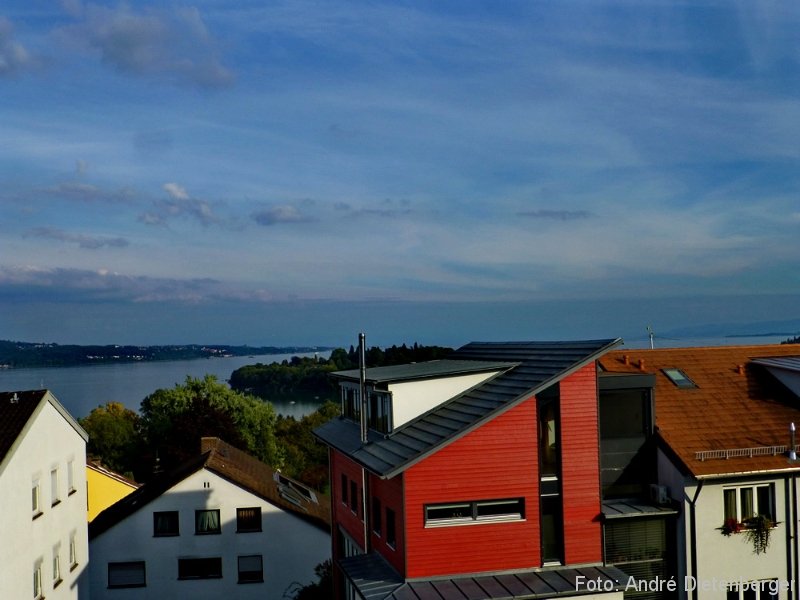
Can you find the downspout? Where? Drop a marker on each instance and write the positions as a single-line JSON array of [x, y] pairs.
[[796, 574], [789, 531], [362, 391], [693, 537]]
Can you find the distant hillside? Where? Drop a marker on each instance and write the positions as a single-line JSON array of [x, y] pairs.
[[27, 354]]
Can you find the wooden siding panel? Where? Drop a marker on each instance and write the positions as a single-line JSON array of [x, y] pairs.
[[580, 467], [498, 460], [390, 494], [342, 514]]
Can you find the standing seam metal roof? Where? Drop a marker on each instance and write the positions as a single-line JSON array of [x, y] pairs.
[[538, 365]]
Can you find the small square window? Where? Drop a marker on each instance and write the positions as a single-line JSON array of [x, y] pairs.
[[248, 519], [200, 568], [165, 523], [127, 574], [251, 569], [206, 522]]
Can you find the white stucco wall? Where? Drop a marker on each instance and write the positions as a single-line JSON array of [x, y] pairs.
[[48, 442], [413, 398], [290, 546]]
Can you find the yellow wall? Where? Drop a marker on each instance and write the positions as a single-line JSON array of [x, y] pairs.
[[104, 490]]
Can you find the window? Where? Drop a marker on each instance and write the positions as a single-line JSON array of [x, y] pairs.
[[248, 519], [165, 523], [391, 534], [351, 408], [35, 499], [479, 511], [73, 551], [71, 478], [126, 574], [353, 497], [679, 378], [745, 502], [344, 489], [251, 569], [380, 410], [206, 522], [376, 516], [54, 495], [56, 565], [765, 589], [37, 580], [200, 568]]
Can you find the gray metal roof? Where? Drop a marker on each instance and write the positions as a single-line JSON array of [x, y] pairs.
[[424, 370], [625, 508], [376, 580], [537, 366], [788, 363]]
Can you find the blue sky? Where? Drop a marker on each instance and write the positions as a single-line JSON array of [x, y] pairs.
[[293, 171]]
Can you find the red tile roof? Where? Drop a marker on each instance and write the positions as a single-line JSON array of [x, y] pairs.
[[735, 405]]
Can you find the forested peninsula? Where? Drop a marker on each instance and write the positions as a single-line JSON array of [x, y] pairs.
[[30, 354]]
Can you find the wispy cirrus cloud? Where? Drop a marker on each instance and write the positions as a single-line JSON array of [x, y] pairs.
[[104, 285], [87, 192], [174, 45], [14, 57], [556, 215], [280, 214], [88, 242]]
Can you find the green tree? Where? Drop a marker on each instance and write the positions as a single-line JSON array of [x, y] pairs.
[[305, 457], [114, 437], [174, 420]]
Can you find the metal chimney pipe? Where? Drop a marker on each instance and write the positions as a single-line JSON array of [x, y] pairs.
[[362, 384], [792, 451]]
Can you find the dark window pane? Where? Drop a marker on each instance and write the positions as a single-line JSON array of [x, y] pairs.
[[548, 438], [493, 509], [747, 508], [126, 574], [199, 568], [251, 569], [729, 497], [391, 538], [248, 519], [445, 512], [552, 529], [206, 521], [165, 523], [764, 498]]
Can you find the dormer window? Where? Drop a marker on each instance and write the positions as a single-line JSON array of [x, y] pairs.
[[379, 407]]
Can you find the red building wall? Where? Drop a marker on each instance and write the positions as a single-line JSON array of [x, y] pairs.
[[390, 494], [343, 515], [580, 467], [498, 460]]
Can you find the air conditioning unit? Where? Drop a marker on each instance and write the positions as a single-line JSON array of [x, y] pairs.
[[659, 494]]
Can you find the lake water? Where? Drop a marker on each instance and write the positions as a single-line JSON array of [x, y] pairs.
[[81, 389]]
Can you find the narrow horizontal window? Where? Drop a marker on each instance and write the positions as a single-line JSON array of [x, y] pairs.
[[126, 574], [200, 568], [476, 511]]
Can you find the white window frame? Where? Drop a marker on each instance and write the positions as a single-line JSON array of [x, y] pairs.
[[765, 589], [757, 509], [57, 565], [469, 513], [38, 592], [73, 550], [55, 496]]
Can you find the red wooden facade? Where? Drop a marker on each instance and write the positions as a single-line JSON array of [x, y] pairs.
[[498, 460], [580, 467]]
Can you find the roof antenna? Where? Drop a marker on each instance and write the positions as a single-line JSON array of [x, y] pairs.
[[651, 335]]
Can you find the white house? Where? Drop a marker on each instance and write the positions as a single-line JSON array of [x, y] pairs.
[[223, 525], [44, 547], [722, 425]]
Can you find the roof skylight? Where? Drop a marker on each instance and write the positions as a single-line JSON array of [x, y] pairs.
[[679, 378]]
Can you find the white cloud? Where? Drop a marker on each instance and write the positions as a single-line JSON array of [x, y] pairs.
[[14, 57]]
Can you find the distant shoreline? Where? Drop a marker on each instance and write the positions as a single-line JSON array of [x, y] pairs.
[[18, 355]]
